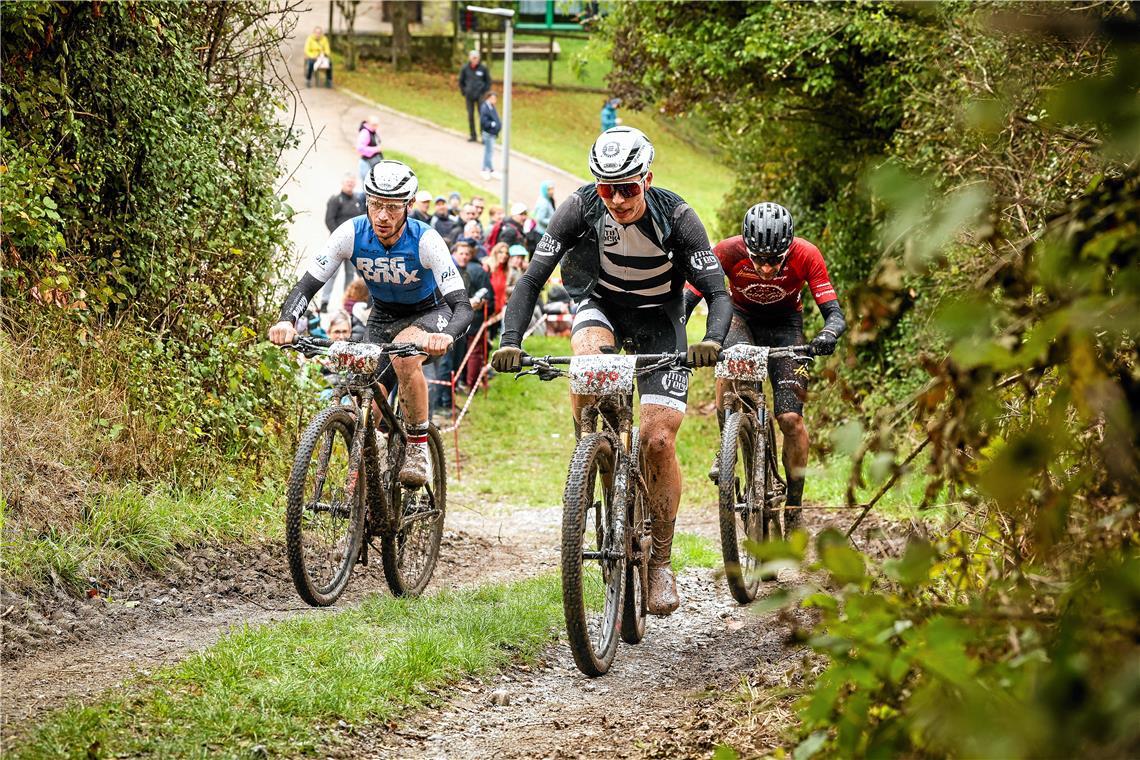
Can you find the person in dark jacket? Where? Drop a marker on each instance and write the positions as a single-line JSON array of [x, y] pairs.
[[490, 124], [341, 207], [443, 221], [481, 293], [421, 208], [474, 83]]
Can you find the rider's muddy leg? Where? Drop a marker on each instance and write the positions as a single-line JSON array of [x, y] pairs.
[[588, 340], [414, 402], [795, 460], [659, 426]]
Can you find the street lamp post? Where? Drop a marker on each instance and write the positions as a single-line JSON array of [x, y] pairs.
[[509, 15]]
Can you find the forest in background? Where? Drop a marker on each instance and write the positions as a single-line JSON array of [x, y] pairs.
[[970, 172]]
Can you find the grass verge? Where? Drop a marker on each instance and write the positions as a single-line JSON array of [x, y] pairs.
[[133, 528], [281, 686], [557, 127]]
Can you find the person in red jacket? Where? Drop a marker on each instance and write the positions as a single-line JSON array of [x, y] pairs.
[[767, 268]]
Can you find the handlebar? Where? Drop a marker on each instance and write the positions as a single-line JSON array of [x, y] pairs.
[[782, 352], [310, 347]]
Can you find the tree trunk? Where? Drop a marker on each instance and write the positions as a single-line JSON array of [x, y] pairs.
[[347, 10], [401, 37]]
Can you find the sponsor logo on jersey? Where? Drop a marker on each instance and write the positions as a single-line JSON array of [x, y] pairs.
[[393, 271], [763, 292], [548, 246], [676, 382], [610, 235], [801, 370], [702, 260], [322, 260], [440, 323], [447, 275]]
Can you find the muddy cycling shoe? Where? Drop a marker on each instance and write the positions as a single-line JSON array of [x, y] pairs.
[[414, 473], [662, 599], [714, 471]]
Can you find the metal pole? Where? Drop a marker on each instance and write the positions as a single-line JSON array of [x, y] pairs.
[[509, 54]]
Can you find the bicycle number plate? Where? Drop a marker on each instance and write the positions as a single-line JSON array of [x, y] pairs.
[[602, 374], [361, 358], [743, 362]]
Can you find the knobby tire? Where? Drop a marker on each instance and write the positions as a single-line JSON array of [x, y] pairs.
[[745, 485], [316, 504], [585, 492], [409, 555]]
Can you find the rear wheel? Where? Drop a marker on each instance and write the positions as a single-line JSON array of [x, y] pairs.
[[409, 555], [324, 514], [600, 579], [742, 485]]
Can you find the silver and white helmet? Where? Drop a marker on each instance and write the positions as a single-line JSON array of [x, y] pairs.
[[767, 230], [619, 153], [391, 180]]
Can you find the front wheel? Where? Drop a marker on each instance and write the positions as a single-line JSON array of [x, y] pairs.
[[593, 562], [409, 554], [742, 486], [634, 609], [324, 513]]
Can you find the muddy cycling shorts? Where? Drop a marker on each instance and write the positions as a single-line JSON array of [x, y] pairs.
[[653, 330], [384, 326], [789, 377]]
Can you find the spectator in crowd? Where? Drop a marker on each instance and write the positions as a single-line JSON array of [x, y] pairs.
[[368, 145], [499, 270], [609, 114], [341, 207], [516, 266], [544, 206], [473, 234], [421, 209], [482, 296], [454, 203], [442, 220], [490, 123], [474, 83], [479, 205], [318, 56], [340, 326], [513, 228], [356, 304]]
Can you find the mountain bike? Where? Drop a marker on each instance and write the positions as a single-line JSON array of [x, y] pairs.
[[752, 491], [606, 537], [343, 490]]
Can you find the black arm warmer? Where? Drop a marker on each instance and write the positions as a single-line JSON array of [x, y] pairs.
[[720, 315], [461, 314], [689, 301], [299, 297], [833, 320]]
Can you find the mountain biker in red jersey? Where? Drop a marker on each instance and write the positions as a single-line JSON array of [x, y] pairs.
[[767, 268]]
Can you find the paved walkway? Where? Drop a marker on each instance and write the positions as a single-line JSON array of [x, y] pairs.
[[329, 121]]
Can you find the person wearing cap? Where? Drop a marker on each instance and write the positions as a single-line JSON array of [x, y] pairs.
[[474, 83], [421, 209], [625, 249], [513, 229], [609, 113], [417, 293]]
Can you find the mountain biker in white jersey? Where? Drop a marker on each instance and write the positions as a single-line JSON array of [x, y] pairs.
[[626, 250], [418, 295]]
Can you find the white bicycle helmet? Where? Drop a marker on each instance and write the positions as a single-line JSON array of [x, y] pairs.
[[620, 153], [392, 180]]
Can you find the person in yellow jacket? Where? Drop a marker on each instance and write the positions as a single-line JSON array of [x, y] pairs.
[[318, 56]]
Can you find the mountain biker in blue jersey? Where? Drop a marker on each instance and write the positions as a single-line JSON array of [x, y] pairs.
[[417, 293], [626, 250]]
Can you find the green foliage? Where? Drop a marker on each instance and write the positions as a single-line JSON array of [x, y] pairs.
[[141, 229]]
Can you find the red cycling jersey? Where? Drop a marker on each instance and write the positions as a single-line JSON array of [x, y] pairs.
[[783, 293]]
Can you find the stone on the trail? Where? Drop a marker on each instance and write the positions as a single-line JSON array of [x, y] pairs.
[[259, 750], [500, 698]]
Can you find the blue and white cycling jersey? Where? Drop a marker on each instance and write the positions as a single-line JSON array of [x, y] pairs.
[[413, 275]]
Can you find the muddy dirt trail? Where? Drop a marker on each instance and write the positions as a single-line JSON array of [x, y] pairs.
[[59, 648]]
